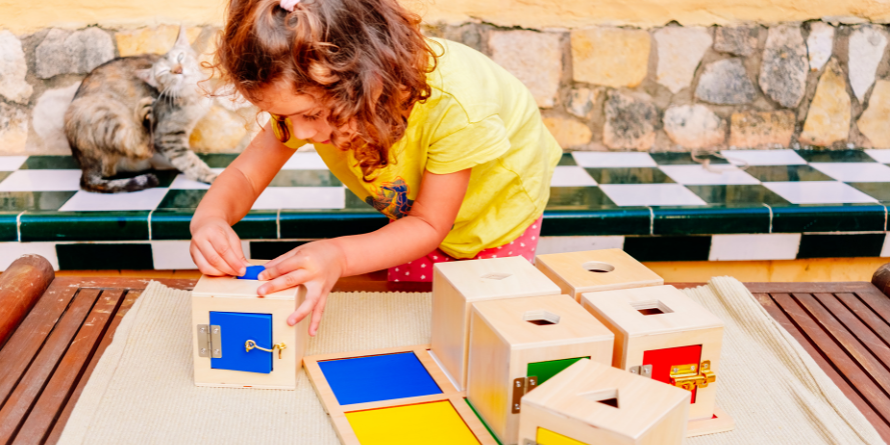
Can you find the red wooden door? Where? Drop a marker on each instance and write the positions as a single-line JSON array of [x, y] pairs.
[[663, 359]]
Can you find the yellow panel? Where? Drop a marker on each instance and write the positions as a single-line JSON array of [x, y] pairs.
[[547, 437], [435, 423]]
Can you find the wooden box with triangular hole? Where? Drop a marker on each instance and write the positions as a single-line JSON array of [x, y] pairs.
[[663, 334], [242, 340], [458, 284], [519, 343], [594, 404], [595, 270]]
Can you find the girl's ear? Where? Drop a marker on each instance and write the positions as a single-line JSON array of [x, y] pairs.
[[182, 39], [147, 76]]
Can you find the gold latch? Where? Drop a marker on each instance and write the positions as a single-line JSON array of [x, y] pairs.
[[250, 344], [690, 377]]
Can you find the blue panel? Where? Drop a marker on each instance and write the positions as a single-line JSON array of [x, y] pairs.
[[252, 272], [235, 329], [380, 377]]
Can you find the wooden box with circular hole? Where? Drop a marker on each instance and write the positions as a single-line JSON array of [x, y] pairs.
[[590, 403], [595, 270], [662, 334], [519, 343], [456, 285]]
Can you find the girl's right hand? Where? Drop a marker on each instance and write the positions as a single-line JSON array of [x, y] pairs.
[[216, 249]]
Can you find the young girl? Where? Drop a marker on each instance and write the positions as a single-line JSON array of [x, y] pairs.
[[431, 133]]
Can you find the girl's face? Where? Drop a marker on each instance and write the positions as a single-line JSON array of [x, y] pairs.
[[308, 117]]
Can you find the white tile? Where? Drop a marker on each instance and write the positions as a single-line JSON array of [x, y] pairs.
[[885, 250], [773, 246], [651, 195], [854, 171], [818, 192], [11, 163], [142, 200], [696, 174], [763, 157], [183, 183], [305, 160], [301, 198], [10, 252], [562, 244], [41, 181], [617, 159], [882, 156], [174, 255], [571, 176]]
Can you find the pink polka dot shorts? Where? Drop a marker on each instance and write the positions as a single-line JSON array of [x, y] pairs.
[[421, 269]]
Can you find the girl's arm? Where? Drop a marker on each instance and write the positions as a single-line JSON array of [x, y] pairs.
[[215, 247], [318, 265]]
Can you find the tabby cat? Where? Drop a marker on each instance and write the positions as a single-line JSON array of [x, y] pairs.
[[134, 113]]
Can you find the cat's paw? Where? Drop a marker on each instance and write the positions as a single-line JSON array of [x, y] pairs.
[[143, 109], [208, 178]]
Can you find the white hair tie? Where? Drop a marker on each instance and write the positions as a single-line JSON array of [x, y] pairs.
[[288, 5]]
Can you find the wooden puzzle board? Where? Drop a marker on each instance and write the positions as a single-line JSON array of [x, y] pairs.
[[382, 397]]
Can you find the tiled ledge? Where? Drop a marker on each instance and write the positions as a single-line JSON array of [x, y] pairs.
[[779, 204]]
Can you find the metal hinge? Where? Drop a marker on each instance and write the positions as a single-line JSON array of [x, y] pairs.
[[209, 341], [689, 377], [521, 386], [643, 370]]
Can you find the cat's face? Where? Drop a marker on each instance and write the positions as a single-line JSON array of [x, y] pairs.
[[178, 72]]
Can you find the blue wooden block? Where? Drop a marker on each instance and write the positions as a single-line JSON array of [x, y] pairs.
[[379, 377], [252, 272], [235, 329]]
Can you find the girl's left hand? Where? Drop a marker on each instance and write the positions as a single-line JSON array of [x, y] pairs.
[[317, 265]]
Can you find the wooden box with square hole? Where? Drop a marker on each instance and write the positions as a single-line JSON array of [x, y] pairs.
[[519, 343], [242, 340], [457, 285], [595, 270], [662, 334], [591, 403]]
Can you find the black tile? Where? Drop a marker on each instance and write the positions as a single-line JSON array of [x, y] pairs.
[[668, 248], [104, 256], [841, 246], [305, 178], [50, 163], [629, 175], [269, 250], [8, 226], [828, 218], [3, 175], [835, 156], [354, 203], [84, 226], [786, 173], [877, 190], [672, 158], [707, 220], [21, 201], [578, 198], [605, 221], [567, 159], [738, 194], [258, 224], [217, 160], [297, 224], [182, 199], [171, 224]]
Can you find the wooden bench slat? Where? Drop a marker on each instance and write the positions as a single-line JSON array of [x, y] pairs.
[[877, 301], [865, 313], [863, 335], [29, 388]]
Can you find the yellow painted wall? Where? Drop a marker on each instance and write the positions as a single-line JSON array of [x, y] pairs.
[[23, 16]]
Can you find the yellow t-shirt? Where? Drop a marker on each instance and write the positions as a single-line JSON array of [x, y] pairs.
[[479, 116]]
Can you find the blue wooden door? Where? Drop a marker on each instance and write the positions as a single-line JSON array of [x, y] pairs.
[[235, 329]]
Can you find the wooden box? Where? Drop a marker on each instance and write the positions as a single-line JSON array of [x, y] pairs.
[[456, 285], [518, 343], [591, 403], [595, 270], [663, 334], [232, 328]]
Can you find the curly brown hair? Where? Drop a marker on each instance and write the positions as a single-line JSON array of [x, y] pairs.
[[366, 60]]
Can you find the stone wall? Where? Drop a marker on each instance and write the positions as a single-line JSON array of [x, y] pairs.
[[800, 85]]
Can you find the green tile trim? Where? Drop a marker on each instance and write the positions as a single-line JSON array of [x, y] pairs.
[[8, 226], [567, 159], [269, 250], [629, 175], [710, 220], [84, 226], [607, 221], [483, 422], [22, 201], [545, 370], [830, 218], [835, 156], [679, 158], [50, 163], [668, 248], [104, 256], [841, 246], [258, 224], [171, 224], [310, 225]]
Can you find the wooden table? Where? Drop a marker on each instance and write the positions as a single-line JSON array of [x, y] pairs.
[[46, 363]]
